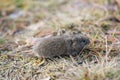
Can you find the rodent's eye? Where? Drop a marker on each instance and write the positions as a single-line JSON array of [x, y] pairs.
[[84, 40]]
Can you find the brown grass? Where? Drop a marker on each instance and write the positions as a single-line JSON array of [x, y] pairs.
[[97, 19]]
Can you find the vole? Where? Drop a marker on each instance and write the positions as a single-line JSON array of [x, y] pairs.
[[65, 44]]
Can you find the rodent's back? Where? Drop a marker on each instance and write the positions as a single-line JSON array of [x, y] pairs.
[[65, 44], [50, 47]]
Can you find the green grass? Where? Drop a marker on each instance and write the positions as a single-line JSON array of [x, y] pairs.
[[2, 40]]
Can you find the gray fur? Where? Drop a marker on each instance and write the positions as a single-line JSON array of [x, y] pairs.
[[66, 44]]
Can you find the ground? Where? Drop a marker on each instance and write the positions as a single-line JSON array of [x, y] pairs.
[[24, 20]]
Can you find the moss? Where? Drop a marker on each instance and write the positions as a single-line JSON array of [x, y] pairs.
[[19, 3], [112, 75], [2, 40]]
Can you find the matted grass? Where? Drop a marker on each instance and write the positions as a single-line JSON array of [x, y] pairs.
[[97, 19]]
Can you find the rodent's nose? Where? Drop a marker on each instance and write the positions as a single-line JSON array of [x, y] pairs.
[[87, 41]]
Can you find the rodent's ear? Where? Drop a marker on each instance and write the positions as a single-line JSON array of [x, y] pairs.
[[74, 39], [69, 41]]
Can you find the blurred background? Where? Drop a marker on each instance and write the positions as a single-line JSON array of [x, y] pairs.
[[23, 20], [18, 15]]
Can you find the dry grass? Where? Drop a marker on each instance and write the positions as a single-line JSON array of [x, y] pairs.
[[96, 19]]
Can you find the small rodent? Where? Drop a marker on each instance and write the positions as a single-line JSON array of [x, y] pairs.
[[66, 44]]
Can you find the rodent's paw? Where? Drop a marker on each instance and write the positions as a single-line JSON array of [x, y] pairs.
[[74, 53]]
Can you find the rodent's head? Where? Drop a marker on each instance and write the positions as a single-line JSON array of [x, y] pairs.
[[79, 42], [84, 40], [80, 38]]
